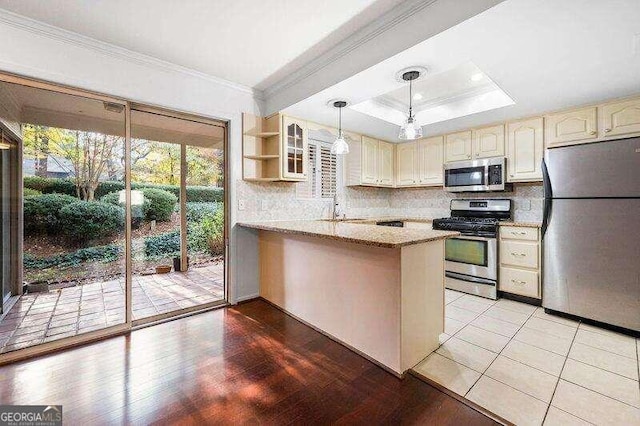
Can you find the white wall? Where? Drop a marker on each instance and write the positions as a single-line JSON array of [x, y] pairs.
[[33, 49]]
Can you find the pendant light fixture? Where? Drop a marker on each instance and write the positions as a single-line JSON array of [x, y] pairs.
[[340, 146], [410, 129]]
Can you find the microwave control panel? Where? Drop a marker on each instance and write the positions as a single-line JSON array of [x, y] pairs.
[[495, 174]]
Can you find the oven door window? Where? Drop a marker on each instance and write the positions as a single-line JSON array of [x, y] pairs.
[[472, 252], [468, 176]]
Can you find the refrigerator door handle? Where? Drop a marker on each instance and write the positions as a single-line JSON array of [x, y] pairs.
[[548, 194], [546, 181]]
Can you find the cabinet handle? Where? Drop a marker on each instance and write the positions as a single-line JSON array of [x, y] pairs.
[[593, 132], [607, 130], [518, 233], [510, 175], [468, 156], [518, 282], [518, 254]]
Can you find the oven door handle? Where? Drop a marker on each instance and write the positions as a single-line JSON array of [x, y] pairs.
[[471, 237]]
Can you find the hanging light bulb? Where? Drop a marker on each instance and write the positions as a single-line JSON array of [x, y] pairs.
[[410, 129], [340, 146]]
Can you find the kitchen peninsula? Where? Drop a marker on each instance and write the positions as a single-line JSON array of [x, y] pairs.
[[378, 290]]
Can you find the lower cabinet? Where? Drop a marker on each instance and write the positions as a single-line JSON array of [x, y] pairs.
[[520, 261]]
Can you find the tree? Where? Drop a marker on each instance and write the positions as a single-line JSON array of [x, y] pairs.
[[40, 142]]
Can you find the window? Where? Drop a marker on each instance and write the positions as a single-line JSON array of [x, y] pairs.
[[323, 167]]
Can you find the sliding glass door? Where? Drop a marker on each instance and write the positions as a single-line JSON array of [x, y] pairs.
[[111, 215], [177, 171]]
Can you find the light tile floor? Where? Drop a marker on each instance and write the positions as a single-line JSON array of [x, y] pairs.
[[42, 317], [533, 368]]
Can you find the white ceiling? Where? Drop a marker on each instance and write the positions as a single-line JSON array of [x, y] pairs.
[[545, 54], [251, 42]]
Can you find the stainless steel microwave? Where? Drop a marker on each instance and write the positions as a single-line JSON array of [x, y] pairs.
[[486, 174]]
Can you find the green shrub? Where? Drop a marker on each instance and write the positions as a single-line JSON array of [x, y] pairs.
[[161, 204], [87, 220], [205, 194], [108, 253], [163, 245], [198, 210], [28, 192], [50, 185], [61, 186], [35, 182], [108, 187], [213, 227], [42, 212], [138, 212]]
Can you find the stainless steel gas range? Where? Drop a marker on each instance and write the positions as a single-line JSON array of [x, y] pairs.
[[472, 258]]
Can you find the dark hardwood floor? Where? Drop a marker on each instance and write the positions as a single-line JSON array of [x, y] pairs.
[[245, 364]]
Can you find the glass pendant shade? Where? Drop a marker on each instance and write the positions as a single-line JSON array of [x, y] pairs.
[[340, 146], [410, 129]]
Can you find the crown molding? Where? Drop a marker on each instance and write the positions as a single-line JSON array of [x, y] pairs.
[[69, 37], [389, 20]]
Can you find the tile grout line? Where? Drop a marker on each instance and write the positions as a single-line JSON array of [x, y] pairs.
[[560, 375], [494, 360]]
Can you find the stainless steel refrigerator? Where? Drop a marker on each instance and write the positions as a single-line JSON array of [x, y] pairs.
[[591, 231]]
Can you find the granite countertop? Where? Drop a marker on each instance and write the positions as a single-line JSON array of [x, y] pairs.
[[355, 231]]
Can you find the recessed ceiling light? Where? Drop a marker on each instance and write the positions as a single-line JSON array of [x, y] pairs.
[[417, 96], [477, 76]]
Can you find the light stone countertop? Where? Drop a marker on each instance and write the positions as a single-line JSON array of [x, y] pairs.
[[355, 231]]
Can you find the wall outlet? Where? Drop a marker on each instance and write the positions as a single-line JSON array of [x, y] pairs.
[[241, 205], [264, 205]]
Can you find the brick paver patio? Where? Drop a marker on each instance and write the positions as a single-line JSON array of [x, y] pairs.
[[42, 317]]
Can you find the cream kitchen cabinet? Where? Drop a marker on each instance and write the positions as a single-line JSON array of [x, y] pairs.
[[295, 148], [386, 165], [488, 142], [520, 263], [620, 118], [458, 146], [525, 149], [430, 159], [370, 162], [406, 164], [571, 127]]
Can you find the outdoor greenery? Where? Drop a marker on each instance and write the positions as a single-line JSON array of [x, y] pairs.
[[89, 220], [161, 204], [42, 212], [108, 253], [66, 186], [83, 215], [28, 192]]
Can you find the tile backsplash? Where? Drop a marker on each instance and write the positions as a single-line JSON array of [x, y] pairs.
[[279, 201]]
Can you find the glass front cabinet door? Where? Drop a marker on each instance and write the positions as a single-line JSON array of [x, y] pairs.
[[295, 146]]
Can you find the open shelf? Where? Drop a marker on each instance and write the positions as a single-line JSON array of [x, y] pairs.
[[262, 134], [262, 157]]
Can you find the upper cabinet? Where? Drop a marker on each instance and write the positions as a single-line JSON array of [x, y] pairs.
[[370, 162], [295, 148], [488, 142], [571, 127], [525, 149], [406, 164], [419, 163], [430, 159], [620, 118], [458, 146], [385, 163]]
